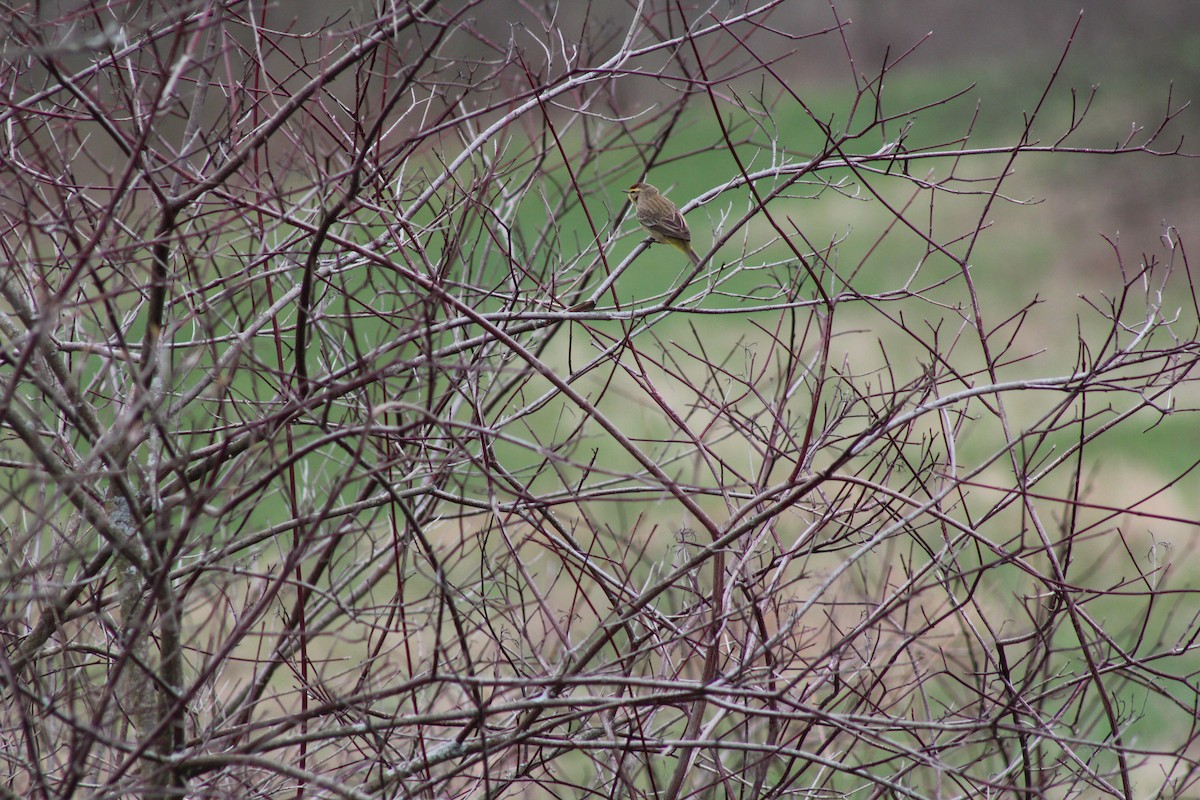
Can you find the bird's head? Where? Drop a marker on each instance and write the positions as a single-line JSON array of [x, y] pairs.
[[639, 189]]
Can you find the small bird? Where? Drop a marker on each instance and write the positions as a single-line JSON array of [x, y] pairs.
[[661, 218]]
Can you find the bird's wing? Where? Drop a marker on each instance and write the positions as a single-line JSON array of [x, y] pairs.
[[675, 227]]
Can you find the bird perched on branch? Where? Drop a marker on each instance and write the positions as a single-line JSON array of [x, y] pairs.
[[661, 219]]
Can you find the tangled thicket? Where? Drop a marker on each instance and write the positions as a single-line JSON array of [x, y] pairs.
[[356, 446]]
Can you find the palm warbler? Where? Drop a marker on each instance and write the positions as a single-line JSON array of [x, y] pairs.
[[662, 219]]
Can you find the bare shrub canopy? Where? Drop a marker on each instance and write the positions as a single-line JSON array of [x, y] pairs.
[[356, 445]]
